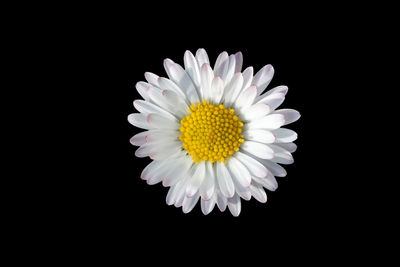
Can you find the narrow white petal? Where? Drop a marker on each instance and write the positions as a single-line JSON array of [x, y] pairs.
[[217, 90], [167, 84], [227, 76], [259, 135], [192, 67], [279, 89], [224, 180], [139, 139], [290, 115], [143, 90], [179, 76], [272, 121], [196, 180], [274, 168], [247, 77], [176, 104], [239, 172], [246, 97], [291, 147], [273, 100], [262, 78], [156, 136], [170, 196], [139, 120], [178, 173], [189, 203], [242, 191], [208, 187], [180, 193], [255, 111], [281, 155], [258, 193], [221, 64], [158, 151], [207, 76], [147, 108], [156, 176], [151, 169], [207, 205], [255, 168], [239, 62], [160, 122], [221, 202], [284, 135], [233, 89], [268, 182], [234, 205], [258, 149], [202, 57], [151, 78]]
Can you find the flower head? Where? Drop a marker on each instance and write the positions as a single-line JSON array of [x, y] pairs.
[[212, 133]]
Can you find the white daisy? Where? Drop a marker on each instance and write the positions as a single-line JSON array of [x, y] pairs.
[[211, 133]]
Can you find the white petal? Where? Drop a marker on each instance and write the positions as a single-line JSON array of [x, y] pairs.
[[290, 115], [239, 62], [281, 155], [157, 176], [207, 75], [151, 78], [224, 180], [247, 77], [255, 111], [143, 90], [151, 169], [139, 139], [192, 67], [147, 107], [255, 168], [227, 76], [196, 180], [179, 76], [239, 172], [262, 78], [284, 135], [234, 205], [178, 173], [156, 136], [217, 90], [170, 196], [246, 97], [279, 89], [158, 151], [258, 149], [273, 101], [242, 191], [208, 186], [160, 122], [180, 193], [274, 168], [221, 202], [167, 84], [221, 64], [233, 89], [291, 147], [259, 135], [268, 182], [207, 205], [169, 101], [139, 120], [272, 121], [258, 193], [189, 203], [202, 57]]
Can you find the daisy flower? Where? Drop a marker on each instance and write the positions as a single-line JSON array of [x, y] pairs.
[[212, 133]]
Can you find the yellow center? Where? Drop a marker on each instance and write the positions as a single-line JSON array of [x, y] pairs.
[[211, 132]]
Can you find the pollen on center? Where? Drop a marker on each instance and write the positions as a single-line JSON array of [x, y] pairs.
[[211, 132]]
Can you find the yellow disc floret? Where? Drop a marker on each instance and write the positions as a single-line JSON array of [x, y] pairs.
[[211, 132]]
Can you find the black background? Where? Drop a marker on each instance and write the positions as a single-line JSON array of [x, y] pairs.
[[108, 205]]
